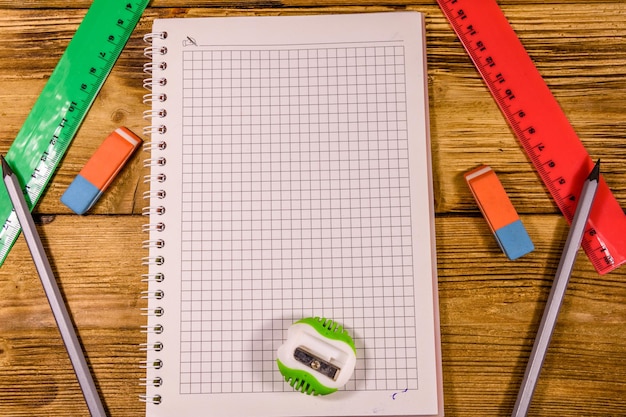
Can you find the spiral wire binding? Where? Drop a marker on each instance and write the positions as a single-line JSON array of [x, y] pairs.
[[156, 143], [158, 277], [156, 347]]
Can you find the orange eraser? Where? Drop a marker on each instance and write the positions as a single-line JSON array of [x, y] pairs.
[[499, 212], [100, 170], [110, 157]]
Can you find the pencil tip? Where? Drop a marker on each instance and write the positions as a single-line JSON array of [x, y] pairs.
[[6, 169], [594, 175]]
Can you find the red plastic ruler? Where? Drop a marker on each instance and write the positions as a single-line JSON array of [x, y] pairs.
[[539, 123]]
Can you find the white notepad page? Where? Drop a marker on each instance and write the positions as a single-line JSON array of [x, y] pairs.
[[297, 184]]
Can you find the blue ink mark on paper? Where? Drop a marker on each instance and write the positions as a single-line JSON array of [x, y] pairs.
[[395, 394]]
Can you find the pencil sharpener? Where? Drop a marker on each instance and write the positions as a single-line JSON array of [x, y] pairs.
[[318, 356]]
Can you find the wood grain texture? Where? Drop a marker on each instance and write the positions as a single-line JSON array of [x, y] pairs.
[[97, 260], [490, 307]]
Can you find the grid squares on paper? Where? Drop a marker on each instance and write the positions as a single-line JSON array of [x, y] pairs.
[[295, 203]]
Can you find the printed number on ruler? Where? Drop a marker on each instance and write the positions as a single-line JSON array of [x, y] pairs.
[[63, 103], [539, 123]]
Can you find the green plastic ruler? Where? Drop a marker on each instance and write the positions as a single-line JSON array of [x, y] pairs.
[[65, 100]]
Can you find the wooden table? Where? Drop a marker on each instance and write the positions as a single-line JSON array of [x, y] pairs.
[[490, 306]]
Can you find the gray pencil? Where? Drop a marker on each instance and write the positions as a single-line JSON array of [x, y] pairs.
[[563, 273], [59, 309]]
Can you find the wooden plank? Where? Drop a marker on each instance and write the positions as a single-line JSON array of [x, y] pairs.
[[97, 263], [490, 309], [60, 4], [579, 53]]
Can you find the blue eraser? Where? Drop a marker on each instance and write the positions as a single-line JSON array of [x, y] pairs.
[[514, 240], [80, 195]]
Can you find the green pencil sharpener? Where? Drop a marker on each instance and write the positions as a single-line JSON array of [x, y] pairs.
[[318, 356]]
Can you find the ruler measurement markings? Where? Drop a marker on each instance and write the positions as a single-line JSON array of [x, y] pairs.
[[65, 100], [505, 95], [502, 94], [538, 122]]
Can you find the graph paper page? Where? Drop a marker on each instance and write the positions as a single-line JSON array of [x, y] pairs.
[[298, 185]]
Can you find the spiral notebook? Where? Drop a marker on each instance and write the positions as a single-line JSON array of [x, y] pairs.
[[290, 177]]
